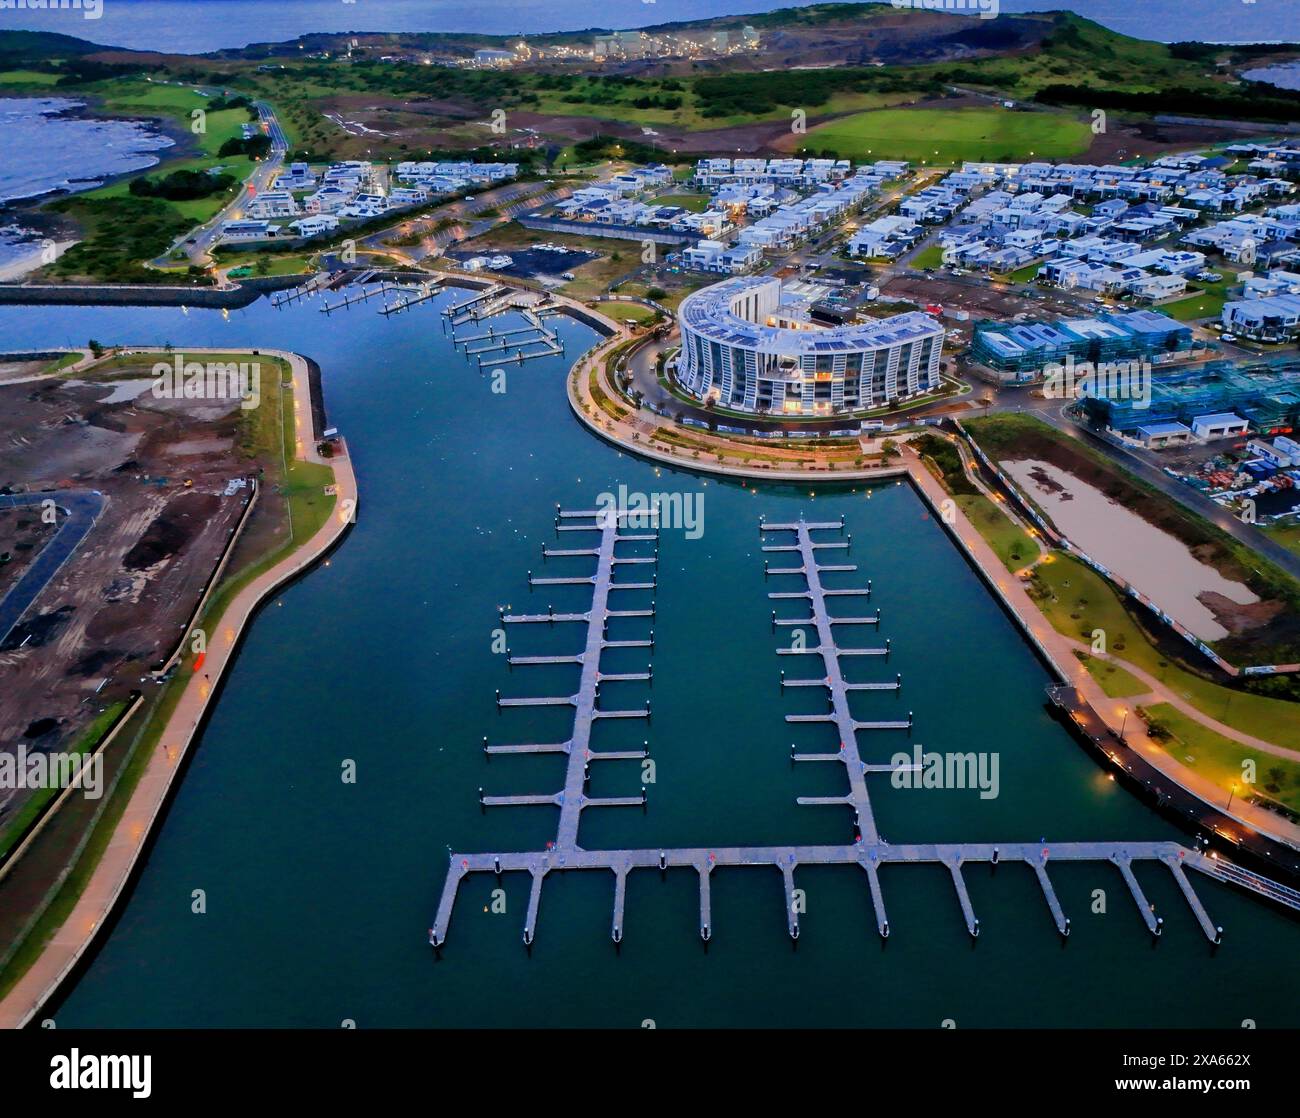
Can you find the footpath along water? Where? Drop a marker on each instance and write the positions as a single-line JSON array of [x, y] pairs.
[[320, 893]]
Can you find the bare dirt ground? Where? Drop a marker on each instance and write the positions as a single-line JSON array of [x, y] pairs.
[[120, 604], [21, 370], [1128, 140], [981, 299]]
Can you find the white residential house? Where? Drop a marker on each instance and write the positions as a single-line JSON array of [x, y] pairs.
[[247, 230], [299, 176], [1277, 282], [886, 237], [327, 200], [272, 203], [714, 256], [1156, 288], [366, 205], [314, 225], [408, 196], [1274, 319]]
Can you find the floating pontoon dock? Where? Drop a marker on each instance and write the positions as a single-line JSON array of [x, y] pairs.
[[495, 347], [319, 281], [410, 297], [868, 850]]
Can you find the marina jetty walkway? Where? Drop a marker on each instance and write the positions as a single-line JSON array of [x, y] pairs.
[[799, 545], [113, 872], [611, 528]]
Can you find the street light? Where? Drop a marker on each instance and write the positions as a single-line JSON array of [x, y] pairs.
[[1124, 724], [1231, 794]]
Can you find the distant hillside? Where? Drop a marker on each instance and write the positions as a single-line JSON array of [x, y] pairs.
[[22, 48]]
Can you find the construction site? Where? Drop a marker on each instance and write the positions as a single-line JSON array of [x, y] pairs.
[[118, 508]]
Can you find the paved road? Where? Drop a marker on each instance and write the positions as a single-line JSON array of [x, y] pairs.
[[82, 508], [263, 175]]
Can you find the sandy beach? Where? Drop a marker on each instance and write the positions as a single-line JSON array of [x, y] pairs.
[[28, 258]]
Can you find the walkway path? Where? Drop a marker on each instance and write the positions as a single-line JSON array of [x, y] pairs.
[[112, 874], [1159, 692]]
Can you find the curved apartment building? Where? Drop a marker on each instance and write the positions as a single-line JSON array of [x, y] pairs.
[[745, 349]]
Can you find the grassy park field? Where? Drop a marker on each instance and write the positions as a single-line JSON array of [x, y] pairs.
[[1206, 302], [1010, 542], [121, 230], [952, 135], [627, 312], [1114, 680], [1078, 602], [1221, 759]]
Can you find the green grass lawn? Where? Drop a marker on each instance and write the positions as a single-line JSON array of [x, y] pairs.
[[1025, 274], [1206, 303], [113, 248], [127, 366], [1012, 544], [1287, 534], [1114, 680], [137, 96], [1077, 601], [595, 99], [626, 312], [27, 78], [672, 300], [61, 363], [952, 135], [35, 803], [267, 264], [931, 257], [696, 203], [1220, 759]]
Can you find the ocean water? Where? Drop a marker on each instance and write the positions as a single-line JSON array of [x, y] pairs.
[[320, 894], [194, 26], [1286, 77], [45, 146]]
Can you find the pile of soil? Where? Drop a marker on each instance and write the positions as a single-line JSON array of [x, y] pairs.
[[173, 528]]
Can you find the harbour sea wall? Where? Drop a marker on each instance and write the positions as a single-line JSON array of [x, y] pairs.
[[160, 295]]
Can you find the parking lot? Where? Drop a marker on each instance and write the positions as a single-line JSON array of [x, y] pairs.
[[536, 262]]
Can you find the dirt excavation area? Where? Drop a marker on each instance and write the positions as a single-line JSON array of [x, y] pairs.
[[116, 505]]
